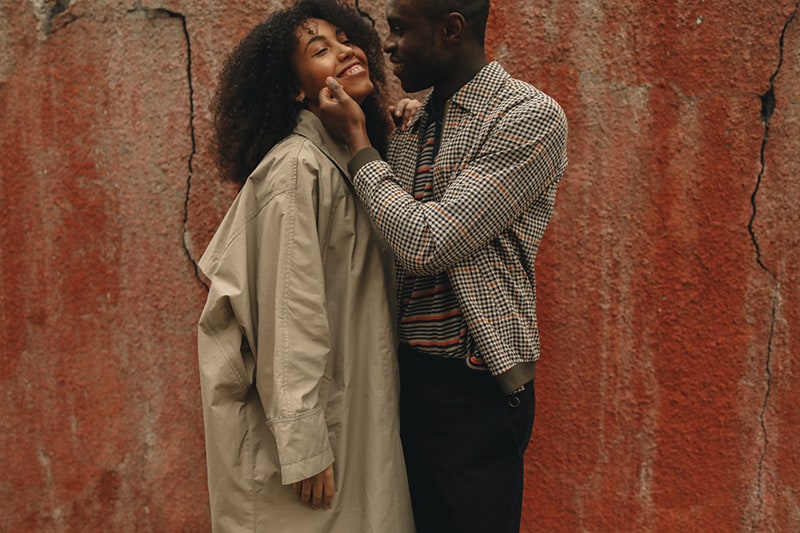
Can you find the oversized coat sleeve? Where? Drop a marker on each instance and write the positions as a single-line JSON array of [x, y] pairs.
[[292, 323], [267, 284]]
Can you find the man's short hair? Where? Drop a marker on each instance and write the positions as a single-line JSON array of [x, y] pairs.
[[475, 12]]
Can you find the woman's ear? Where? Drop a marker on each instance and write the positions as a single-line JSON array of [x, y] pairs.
[[300, 97]]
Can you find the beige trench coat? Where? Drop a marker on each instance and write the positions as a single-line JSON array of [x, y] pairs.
[[297, 351]]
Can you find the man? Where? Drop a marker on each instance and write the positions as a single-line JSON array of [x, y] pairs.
[[463, 200]]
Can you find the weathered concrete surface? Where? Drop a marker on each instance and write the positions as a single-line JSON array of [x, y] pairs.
[[670, 309], [99, 426]]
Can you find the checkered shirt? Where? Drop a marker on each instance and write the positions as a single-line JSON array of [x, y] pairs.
[[502, 154]]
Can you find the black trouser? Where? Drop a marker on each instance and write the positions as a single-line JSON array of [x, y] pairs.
[[463, 445]]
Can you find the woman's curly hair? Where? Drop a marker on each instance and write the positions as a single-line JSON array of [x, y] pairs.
[[254, 105]]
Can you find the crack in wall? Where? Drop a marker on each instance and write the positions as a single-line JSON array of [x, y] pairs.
[[364, 14], [185, 230], [190, 161], [768, 105], [763, 415], [182, 17]]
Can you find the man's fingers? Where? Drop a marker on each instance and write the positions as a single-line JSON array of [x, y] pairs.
[[336, 90], [334, 87], [326, 97], [333, 93]]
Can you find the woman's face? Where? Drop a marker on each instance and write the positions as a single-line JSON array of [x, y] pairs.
[[324, 51]]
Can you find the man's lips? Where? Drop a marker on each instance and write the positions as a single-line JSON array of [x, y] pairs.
[[397, 65], [352, 70]]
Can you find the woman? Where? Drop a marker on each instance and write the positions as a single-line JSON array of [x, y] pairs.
[[296, 340]]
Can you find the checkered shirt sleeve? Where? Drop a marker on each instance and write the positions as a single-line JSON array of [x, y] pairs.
[[503, 151]]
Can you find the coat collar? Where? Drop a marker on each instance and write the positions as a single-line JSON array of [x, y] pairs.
[[310, 127]]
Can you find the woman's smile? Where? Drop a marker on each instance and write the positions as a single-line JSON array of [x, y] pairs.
[[352, 70]]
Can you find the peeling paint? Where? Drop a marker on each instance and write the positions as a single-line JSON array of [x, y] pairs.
[[47, 10]]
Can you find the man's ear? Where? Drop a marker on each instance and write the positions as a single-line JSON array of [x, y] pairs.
[[453, 27]]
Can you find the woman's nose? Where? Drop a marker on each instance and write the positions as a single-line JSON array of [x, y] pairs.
[[345, 50]]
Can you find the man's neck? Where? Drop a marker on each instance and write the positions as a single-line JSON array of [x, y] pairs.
[[461, 74]]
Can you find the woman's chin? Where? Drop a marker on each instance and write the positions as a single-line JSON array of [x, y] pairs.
[[359, 92]]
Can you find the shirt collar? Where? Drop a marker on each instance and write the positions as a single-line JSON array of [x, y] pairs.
[[475, 95]]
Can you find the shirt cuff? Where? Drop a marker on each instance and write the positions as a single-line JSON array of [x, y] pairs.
[[516, 376], [362, 157]]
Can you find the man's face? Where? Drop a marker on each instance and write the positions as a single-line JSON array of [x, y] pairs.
[[412, 46]]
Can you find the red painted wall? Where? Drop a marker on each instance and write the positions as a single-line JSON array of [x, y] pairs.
[[669, 303]]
